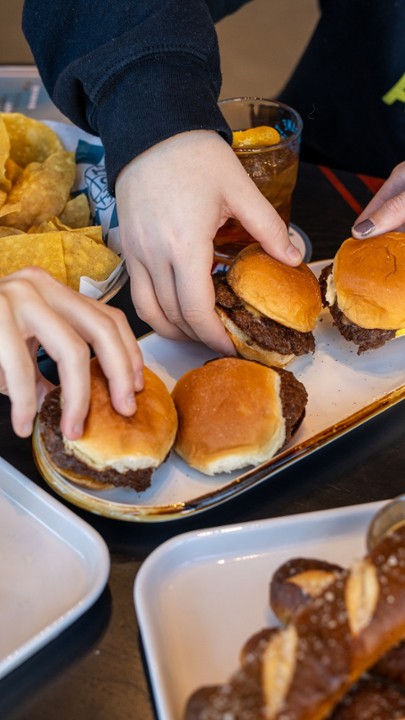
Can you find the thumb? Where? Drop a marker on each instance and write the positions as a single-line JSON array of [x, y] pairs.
[[378, 219], [43, 386], [263, 222]]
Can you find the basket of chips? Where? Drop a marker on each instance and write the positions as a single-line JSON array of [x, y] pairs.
[[55, 209]]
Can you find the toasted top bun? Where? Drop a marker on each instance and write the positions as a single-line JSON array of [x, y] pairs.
[[369, 280], [126, 443], [289, 295], [230, 415]]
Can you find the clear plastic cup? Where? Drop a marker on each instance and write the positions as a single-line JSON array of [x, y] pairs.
[[273, 168]]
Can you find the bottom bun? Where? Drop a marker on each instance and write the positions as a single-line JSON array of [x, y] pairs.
[[250, 350], [234, 413], [114, 450]]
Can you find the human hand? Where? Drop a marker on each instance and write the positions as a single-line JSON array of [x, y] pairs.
[[386, 211], [171, 200], [37, 310]]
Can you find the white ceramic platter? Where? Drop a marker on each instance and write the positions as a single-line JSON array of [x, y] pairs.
[[344, 389], [201, 595], [53, 567]]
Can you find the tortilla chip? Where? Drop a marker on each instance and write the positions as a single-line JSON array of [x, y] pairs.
[[7, 231], [84, 257], [5, 183], [44, 251], [76, 213], [42, 191], [8, 208], [95, 232], [45, 226], [30, 140], [13, 171]]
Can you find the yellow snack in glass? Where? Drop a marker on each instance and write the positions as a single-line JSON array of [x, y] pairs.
[[30, 139], [261, 136]]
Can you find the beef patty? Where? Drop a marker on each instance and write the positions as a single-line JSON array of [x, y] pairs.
[[294, 398], [49, 423], [365, 339], [263, 331]]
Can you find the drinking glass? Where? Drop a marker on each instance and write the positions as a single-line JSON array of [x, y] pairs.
[[273, 168]]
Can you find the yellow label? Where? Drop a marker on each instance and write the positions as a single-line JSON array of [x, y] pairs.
[[396, 93]]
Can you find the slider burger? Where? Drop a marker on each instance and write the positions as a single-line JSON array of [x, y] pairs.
[[233, 413], [269, 309], [364, 289], [114, 450]]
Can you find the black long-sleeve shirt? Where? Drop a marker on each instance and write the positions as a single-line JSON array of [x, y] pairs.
[[135, 72]]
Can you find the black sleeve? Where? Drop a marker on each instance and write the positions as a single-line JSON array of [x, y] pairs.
[[132, 72], [220, 8], [349, 87]]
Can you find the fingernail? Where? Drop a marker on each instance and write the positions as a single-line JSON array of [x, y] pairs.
[[77, 430], [131, 403], [139, 380], [293, 252], [364, 228], [26, 429]]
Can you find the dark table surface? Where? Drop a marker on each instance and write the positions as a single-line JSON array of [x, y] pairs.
[[95, 669]]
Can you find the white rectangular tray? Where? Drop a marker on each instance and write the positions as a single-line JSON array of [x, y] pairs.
[[53, 566], [344, 391], [201, 595]]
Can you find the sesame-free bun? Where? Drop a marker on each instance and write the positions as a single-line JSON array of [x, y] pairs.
[[288, 295], [230, 415], [140, 441], [369, 280], [114, 450]]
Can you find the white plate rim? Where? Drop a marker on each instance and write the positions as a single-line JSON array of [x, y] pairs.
[[211, 545], [77, 537]]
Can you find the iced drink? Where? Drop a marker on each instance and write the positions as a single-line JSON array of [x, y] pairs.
[[273, 168]]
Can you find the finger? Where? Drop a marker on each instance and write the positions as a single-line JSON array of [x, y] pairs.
[[108, 332], [42, 384], [381, 218], [18, 372], [119, 356], [115, 341], [182, 307], [393, 186], [167, 294], [146, 303], [264, 223], [72, 356], [197, 299], [43, 387]]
